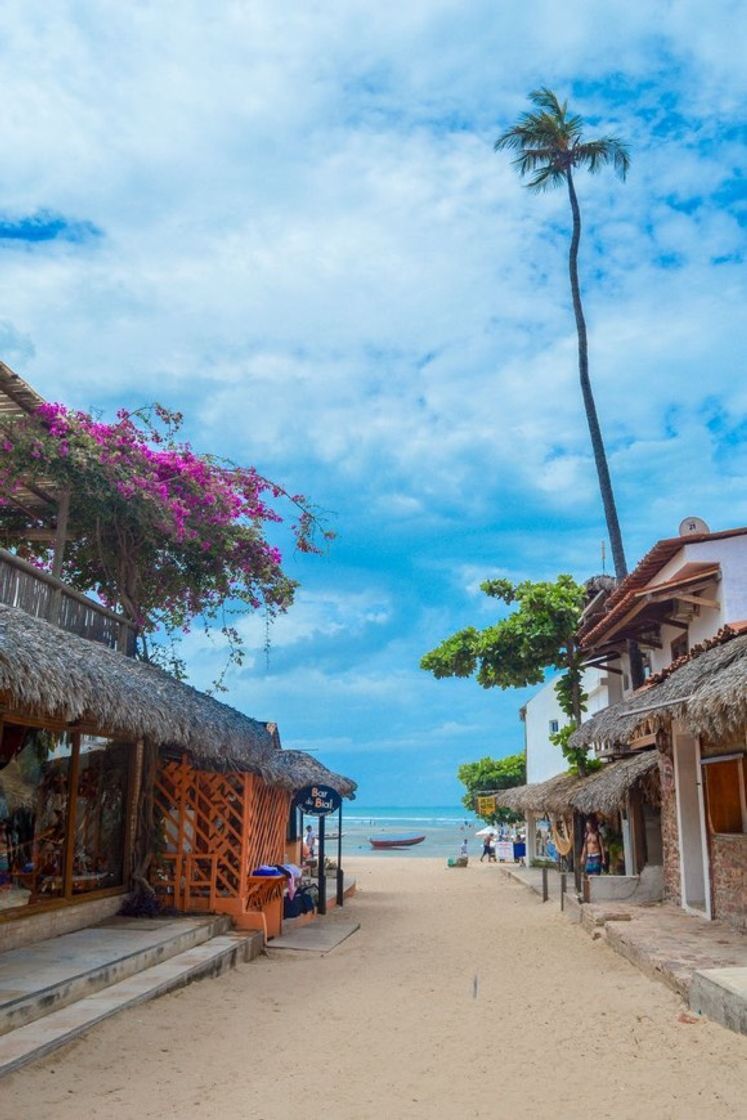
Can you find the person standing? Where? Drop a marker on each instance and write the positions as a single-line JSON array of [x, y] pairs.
[[592, 853]]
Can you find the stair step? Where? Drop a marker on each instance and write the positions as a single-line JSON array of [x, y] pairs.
[[41, 978], [27, 1043]]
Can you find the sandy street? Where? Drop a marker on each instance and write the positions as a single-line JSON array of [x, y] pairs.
[[460, 997]]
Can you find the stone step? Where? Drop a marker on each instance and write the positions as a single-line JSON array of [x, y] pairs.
[[211, 958], [41, 978]]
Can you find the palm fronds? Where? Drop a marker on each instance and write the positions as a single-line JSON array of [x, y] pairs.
[[550, 144]]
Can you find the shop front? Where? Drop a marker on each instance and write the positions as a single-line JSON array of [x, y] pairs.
[[64, 817]]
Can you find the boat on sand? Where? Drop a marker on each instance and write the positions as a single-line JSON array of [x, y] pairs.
[[394, 841]]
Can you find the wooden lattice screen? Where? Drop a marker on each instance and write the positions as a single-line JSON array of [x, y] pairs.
[[215, 828]]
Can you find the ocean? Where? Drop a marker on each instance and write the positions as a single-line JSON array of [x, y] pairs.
[[444, 828]]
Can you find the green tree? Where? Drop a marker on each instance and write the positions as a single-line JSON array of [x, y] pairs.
[[551, 146], [490, 774], [518, 650]]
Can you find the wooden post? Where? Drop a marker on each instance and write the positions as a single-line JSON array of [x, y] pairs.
[[60, 536], [563, 888], [72, 817], [340, 876], [320, 865], [58, 556], [544, 885]]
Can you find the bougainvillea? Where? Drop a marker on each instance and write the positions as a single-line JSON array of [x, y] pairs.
[[155, 529]]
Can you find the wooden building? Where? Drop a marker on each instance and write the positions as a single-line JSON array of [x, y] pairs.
[[113, 772]]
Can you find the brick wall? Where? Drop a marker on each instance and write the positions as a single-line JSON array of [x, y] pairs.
[[669, 833], [729, 879]]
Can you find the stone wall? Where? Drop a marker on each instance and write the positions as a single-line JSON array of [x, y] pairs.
[[729, 878], [669, 832]]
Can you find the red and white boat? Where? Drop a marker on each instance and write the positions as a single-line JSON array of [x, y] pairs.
[[395, 841]]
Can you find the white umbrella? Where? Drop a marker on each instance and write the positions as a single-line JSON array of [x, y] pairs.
[[490, 829]]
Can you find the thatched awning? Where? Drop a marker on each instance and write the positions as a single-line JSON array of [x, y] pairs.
[[51, 674], [604, 791], [709, 692], [305, 770], [540, 797]]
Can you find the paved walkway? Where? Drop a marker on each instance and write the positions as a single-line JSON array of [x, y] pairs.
[[704, 962], [532, 877], [671, 945]]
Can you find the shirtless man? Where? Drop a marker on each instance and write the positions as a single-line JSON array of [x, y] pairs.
[[592, 853]]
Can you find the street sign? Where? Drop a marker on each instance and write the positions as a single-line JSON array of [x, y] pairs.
[[318, 800]]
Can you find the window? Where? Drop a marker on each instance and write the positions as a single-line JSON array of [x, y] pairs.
[[100, 811], [680, 646], [725, 794], [60, 836], [554, 726]]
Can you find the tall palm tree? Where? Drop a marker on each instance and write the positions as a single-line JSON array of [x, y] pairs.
[[551, 146]]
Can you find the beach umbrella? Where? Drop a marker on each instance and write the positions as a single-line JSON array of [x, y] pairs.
[[487, 831]]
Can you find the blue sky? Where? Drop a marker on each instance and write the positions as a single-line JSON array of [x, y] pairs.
[[288, 222]]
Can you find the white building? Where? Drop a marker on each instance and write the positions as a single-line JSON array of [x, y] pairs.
[[683, 591], [542, 717], [681, 594]]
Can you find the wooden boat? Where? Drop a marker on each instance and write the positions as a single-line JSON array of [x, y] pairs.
[[395, 841]]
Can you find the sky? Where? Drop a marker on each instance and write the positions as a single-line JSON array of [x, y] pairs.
[[287, 221]]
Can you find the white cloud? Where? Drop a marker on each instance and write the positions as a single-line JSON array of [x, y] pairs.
[[311, 247]]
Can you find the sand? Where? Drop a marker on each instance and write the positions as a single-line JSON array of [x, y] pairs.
[[461, 996]]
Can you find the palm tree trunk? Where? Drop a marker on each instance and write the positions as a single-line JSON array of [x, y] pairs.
[[597, 443]]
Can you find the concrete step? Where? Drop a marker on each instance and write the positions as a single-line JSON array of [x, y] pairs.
[[46, 976], [211, 958]]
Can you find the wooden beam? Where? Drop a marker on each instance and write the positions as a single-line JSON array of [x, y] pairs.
[[676, 622], [603, 665], [683, 598], [63, 512], [36, 535]]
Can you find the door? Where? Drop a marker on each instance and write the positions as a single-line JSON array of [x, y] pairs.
[[691, 824]]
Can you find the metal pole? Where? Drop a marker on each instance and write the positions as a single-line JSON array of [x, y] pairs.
[[322, 876], [544, 885], [340, 875]]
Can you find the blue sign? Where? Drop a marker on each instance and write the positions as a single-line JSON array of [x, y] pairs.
[[318, 800]]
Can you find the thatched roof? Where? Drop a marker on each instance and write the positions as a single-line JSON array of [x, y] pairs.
[[539, 797], [709, 692], [51, 674], [604, 791], [307, 770]]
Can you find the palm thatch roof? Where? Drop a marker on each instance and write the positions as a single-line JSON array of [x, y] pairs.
[[604, 791], [539, 797], [307, 771], [51, 674], [708, 691]]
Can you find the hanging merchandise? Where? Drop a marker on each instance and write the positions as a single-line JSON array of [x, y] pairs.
[[562, 834]]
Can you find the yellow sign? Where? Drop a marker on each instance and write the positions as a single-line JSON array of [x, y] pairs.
[[485, 806]]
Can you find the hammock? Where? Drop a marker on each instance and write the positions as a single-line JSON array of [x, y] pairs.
[[563, 840]]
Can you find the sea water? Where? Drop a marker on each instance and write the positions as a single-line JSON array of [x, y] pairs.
[[444, 828]]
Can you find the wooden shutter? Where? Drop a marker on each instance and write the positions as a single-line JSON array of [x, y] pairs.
[[724, 795]]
